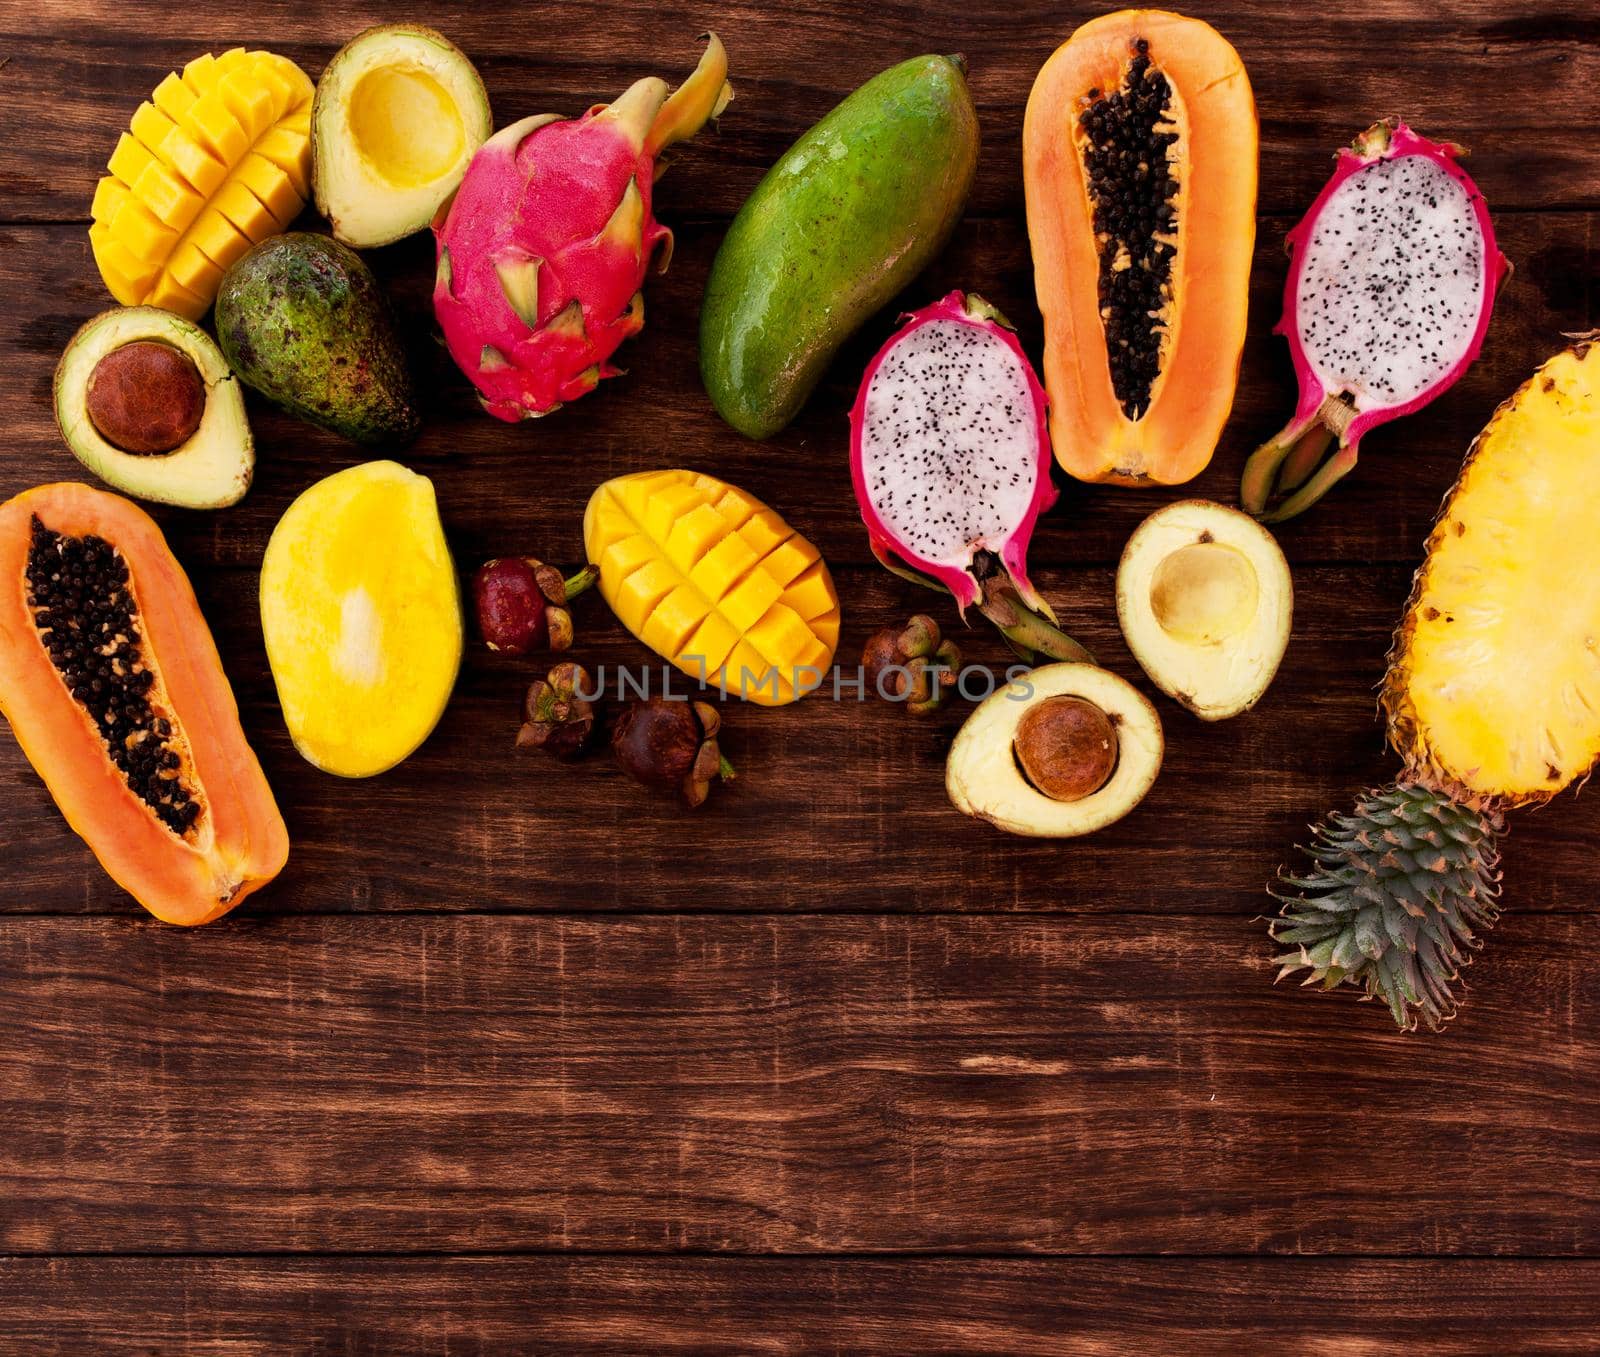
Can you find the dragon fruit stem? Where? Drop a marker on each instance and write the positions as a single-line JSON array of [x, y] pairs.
[[694, 103], [1025, 628], [1336, 467], [1261, 470], [1000, 601], [1304, 457], [1282, 464], [905, 572]]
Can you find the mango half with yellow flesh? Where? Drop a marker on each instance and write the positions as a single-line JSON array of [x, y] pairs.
[[362, 618], [715, 582], [215, 161]]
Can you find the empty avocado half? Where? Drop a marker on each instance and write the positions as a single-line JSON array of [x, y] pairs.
[[1205, 601], [147, 402], [1064, 750], [399, 114]]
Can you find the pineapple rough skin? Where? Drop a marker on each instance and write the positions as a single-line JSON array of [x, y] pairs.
[[1398, 892]]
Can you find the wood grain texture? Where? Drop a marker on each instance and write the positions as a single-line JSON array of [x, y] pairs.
[[759, 1085], [840, 806], [354, 1307], [522, 1059], [1316, 84]]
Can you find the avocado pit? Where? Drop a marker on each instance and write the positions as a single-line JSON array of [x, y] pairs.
[[1060, 751], [1066, 747], [146, 398]]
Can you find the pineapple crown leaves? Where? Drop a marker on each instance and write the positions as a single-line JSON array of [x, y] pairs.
[[1395, 897]]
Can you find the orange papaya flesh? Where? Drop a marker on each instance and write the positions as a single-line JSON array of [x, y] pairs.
[[114, 689], [1139, 163]]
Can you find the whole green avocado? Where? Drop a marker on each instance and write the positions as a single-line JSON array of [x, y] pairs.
[[302, 320], [851, 214]]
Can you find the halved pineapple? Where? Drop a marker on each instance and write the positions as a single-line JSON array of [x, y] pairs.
[[1493, 700], [217, 160], [1494, 683], [715, 582]]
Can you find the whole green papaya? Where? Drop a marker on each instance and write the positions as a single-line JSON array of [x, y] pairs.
[[852, 212]]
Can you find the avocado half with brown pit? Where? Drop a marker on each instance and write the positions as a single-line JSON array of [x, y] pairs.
[[1206, 603], [1064, 750], [147, 402]]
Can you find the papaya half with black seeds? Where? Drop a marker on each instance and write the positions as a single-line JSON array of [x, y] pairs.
[[1139, 163], [113, 688]]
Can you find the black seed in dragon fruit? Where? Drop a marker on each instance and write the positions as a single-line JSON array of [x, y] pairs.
[[950, 451]]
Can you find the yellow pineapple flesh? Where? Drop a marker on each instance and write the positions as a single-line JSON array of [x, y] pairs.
[[1493, 700], [1494, 683]]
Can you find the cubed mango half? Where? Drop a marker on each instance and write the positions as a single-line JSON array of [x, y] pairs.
[[217, 160], [715, 582]]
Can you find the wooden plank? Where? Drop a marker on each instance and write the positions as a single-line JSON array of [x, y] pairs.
[[760, 1085], [840, 806], [869, 1307], [734, 1048], [1316, 84], [505, 487]]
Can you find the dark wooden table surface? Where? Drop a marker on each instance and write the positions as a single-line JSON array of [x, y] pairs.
[[516, 1059]]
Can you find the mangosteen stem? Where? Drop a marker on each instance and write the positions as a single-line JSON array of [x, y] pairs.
[[576, 584], [1023, 627], [725, 769]]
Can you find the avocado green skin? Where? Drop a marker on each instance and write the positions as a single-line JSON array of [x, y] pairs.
[[851, 214], [301, 319]]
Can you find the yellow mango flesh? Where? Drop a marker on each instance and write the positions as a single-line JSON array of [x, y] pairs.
[[362, 618], [714, 582], [217, 160]]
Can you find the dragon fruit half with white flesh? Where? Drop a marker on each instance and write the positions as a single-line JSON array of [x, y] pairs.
[[543, 250], [950, 456], [1391, 284]]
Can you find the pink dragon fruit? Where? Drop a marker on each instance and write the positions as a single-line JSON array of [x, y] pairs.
[[1391, 284], [543, 250], [950, 456]]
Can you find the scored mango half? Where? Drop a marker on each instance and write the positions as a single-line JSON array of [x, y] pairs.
[[215, 161], [715, 582]]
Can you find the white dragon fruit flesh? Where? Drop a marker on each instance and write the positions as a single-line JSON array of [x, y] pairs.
[[949, 447], [1393, 277]]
